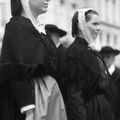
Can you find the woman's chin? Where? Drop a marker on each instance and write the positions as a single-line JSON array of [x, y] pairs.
[[95, 37]]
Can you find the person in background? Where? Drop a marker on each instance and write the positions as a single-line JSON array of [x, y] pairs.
[[29, 66], [55, 34], [86, 83], [109, 54]]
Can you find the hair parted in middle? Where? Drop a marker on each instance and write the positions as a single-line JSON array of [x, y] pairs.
[[75, 20]]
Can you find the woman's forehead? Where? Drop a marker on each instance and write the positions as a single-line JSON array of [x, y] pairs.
[[94, 17]]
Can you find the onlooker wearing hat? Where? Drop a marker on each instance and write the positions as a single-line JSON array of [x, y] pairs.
[[55, 33], [109, 54]]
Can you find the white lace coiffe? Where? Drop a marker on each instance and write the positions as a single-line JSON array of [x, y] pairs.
[[83, 27]]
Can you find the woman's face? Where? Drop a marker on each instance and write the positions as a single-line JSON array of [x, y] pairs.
[[109, 59], [38, 6], [94, 25]]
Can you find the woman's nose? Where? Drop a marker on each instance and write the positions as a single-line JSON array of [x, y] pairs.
[[98, 27]]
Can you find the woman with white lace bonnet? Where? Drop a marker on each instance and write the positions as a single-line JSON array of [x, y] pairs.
[[29, 66], [86, 85]]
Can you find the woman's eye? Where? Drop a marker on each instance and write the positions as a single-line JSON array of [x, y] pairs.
[[96, 23]]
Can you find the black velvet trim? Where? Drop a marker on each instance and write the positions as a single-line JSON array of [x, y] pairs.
[[19, 71]]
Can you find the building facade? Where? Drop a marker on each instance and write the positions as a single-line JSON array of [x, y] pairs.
[[4, 16]]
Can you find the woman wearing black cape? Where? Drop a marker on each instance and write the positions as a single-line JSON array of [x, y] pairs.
[[29, 66], [87, 82]]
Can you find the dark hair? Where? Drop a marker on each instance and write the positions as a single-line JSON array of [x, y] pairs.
[[16, 7], [75, 24], [88, 14], [75, 20]]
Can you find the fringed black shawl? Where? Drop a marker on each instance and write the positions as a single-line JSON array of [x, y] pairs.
[[86, 93], [25, 54], [23, 46]]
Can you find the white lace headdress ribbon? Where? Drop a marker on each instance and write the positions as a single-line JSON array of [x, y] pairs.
[[36, 24], [83, 26]]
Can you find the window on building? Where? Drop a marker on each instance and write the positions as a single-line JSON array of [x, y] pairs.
[[114, 12], [74, 5], [62, 2], [114, 1], [108, 39], [115, 40], [107, 9]]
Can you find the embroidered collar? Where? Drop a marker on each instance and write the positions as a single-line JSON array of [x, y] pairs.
[[111, 69]]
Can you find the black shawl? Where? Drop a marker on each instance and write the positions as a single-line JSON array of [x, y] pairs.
[[24, 47], [86, 84], [25, 54]]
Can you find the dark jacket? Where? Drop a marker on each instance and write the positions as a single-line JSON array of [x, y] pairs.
[[26, 54], [86, 84], [115, 92]]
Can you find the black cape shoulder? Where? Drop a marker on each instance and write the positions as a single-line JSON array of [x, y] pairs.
[[79, 49]]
